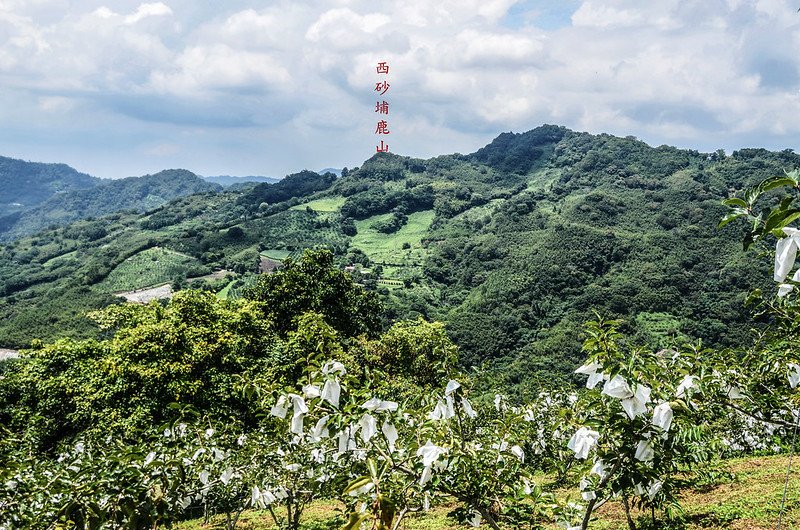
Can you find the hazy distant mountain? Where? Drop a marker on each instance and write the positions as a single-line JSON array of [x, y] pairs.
[[108, 196], [24, 185], [227, 180], [337, 172]]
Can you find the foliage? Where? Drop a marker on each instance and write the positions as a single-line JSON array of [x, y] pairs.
[[137, 194], [151, 267], [24, 185], [418, 352], [511, 247], [189, 352], [313, 284], [517, 153], [295, 185]]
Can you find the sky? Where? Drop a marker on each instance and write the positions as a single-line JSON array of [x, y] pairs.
[[241, 87]]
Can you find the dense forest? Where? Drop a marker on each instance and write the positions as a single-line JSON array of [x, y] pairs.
[[513, 246], [134, 194], [24, 185]]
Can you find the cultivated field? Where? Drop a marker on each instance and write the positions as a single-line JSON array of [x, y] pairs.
[[325, 205], [750, 500], [151, 267], [388, 248]]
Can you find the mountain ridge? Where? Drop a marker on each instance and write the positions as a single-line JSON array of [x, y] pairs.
[[512, 246], [105, 197], [25, 184]]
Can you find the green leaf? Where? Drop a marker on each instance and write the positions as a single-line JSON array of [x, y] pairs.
[[372, 467], [354, 521], [748, 241], [776, 182], [735, 201], [357, 483], [790, 219], [753, 297], [388, 511], [728, 218], [751, 195], [778, 216]]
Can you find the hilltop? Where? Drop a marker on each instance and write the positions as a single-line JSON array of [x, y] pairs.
[[25, 185], [513, 246], [34, 196]]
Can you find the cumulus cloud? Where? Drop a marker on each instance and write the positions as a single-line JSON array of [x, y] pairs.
[[219, 67], [148, 10], [698, 74]]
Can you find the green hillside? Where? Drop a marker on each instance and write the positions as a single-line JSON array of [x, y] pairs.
[[24, 185], [154, 266], [295, 400], [138, 194], [512, 246]]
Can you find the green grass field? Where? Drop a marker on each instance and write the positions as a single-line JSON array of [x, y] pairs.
[[388, 248], [225, 293], [751, 501], [324, 205], [276, 254], [295, 229], [151, 267], [58, 259]]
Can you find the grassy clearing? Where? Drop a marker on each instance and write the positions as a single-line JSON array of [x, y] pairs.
[[151, 267], [751, 501], [225, 293], [543, 178], [295, 229], [325, 516], [276, 254], [324, 205], [58, 259], [388, 248]]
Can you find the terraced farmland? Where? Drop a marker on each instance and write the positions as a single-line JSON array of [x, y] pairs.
[[149, 268], [324, 205], [387, 249]]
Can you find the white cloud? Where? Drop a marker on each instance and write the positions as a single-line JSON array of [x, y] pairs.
[[156, 9], [56, 104], [162, 150], [344, 28], [218, 67], [700, 74]]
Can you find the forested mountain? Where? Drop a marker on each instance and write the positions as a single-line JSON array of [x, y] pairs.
[[23, 185], [513, 246], [137, 194], [227, 181]]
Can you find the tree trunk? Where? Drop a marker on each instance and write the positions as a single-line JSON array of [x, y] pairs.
[[588, 514], [489, 519], [631, 524]]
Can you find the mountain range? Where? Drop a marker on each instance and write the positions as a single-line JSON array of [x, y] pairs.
[[513, 246]]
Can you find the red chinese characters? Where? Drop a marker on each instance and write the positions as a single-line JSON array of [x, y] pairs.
[[382, 128], [382, 87], [382, 107]]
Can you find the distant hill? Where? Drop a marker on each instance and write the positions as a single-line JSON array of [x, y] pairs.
[[25, 185], [513, 246], [297, 185], [337, 172], [137, 194], [226, 180]]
